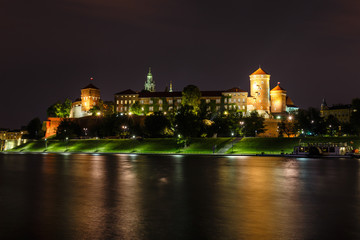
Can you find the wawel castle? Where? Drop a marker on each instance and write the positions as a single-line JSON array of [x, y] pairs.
[[270, 103], [266, 102]]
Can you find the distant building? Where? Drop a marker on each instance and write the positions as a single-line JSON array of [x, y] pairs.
[[11, 134], [341, 111]]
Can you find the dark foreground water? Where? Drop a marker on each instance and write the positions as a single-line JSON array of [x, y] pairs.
[[177, 197]]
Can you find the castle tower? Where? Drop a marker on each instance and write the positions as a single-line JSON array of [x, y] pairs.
[[278, 99], [90, 96], [323, 105], [149, 84], [260, 91]]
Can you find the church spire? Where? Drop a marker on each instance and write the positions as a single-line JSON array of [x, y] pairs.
[[149, 83], [170, 90]]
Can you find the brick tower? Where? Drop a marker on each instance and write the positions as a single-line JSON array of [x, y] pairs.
[[90, 96], [260, 91]]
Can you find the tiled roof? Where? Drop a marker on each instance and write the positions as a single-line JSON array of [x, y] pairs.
[[259, 72], [278, 88], [289, 102], [127, 91], [340, 106], [235, 89], [90, 86], [145, 94]]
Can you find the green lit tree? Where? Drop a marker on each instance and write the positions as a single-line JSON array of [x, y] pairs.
[[191, 96], [60, 109], [136, 108]]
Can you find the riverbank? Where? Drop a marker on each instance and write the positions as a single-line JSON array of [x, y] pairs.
[[245, 146]]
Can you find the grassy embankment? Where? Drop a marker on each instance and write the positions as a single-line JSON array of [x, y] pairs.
[[277, 145], [164, 145], [168, 145]]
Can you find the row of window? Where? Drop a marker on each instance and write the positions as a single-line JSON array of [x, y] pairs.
[[170, 101], [86, 98], [151, 108]]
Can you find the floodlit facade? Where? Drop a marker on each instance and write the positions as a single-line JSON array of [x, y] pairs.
[[261, 99]]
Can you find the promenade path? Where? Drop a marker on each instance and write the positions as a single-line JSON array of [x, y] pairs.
[[225, 148]]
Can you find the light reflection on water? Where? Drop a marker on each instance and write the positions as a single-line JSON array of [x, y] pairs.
[[80, 196]]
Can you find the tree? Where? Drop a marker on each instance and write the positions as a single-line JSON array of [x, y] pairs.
[[253, 124], [287, 127], [332, 124], [68, 129], [191, 96], [34, 129], [187, 122], [59, 109], [227, 124], [157, 125], [355, 116], [136, 108], [309, 122]]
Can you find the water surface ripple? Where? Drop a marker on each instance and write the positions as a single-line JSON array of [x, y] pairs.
[[81, 196]]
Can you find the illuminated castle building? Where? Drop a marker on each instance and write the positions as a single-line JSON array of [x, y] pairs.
[[267, 103], [90, 97]]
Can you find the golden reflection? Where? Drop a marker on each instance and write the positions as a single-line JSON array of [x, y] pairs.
[[264, 206]]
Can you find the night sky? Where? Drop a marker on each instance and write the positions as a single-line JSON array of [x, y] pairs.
[[50, 49]]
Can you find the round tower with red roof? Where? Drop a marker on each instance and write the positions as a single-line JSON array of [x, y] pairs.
[[278, 99]]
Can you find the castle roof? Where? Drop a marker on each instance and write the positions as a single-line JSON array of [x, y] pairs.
[[278, 88], [127, 91], [259, 72], [289, 102], [90, 86], [234, 89]]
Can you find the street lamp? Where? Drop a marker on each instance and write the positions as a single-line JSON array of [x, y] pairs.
[[67, 142], [45, 144], [232, 143]]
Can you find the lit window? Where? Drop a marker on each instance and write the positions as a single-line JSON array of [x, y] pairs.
[[121, 101], [151, 101], [151, 108], [217, 100], [179, 100], [160, 108], [125, 101], [160, 101], [142, 101], [117, 102], [170, 101], [207, 100]]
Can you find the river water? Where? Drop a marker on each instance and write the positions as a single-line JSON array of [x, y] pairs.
[[80, 196]]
